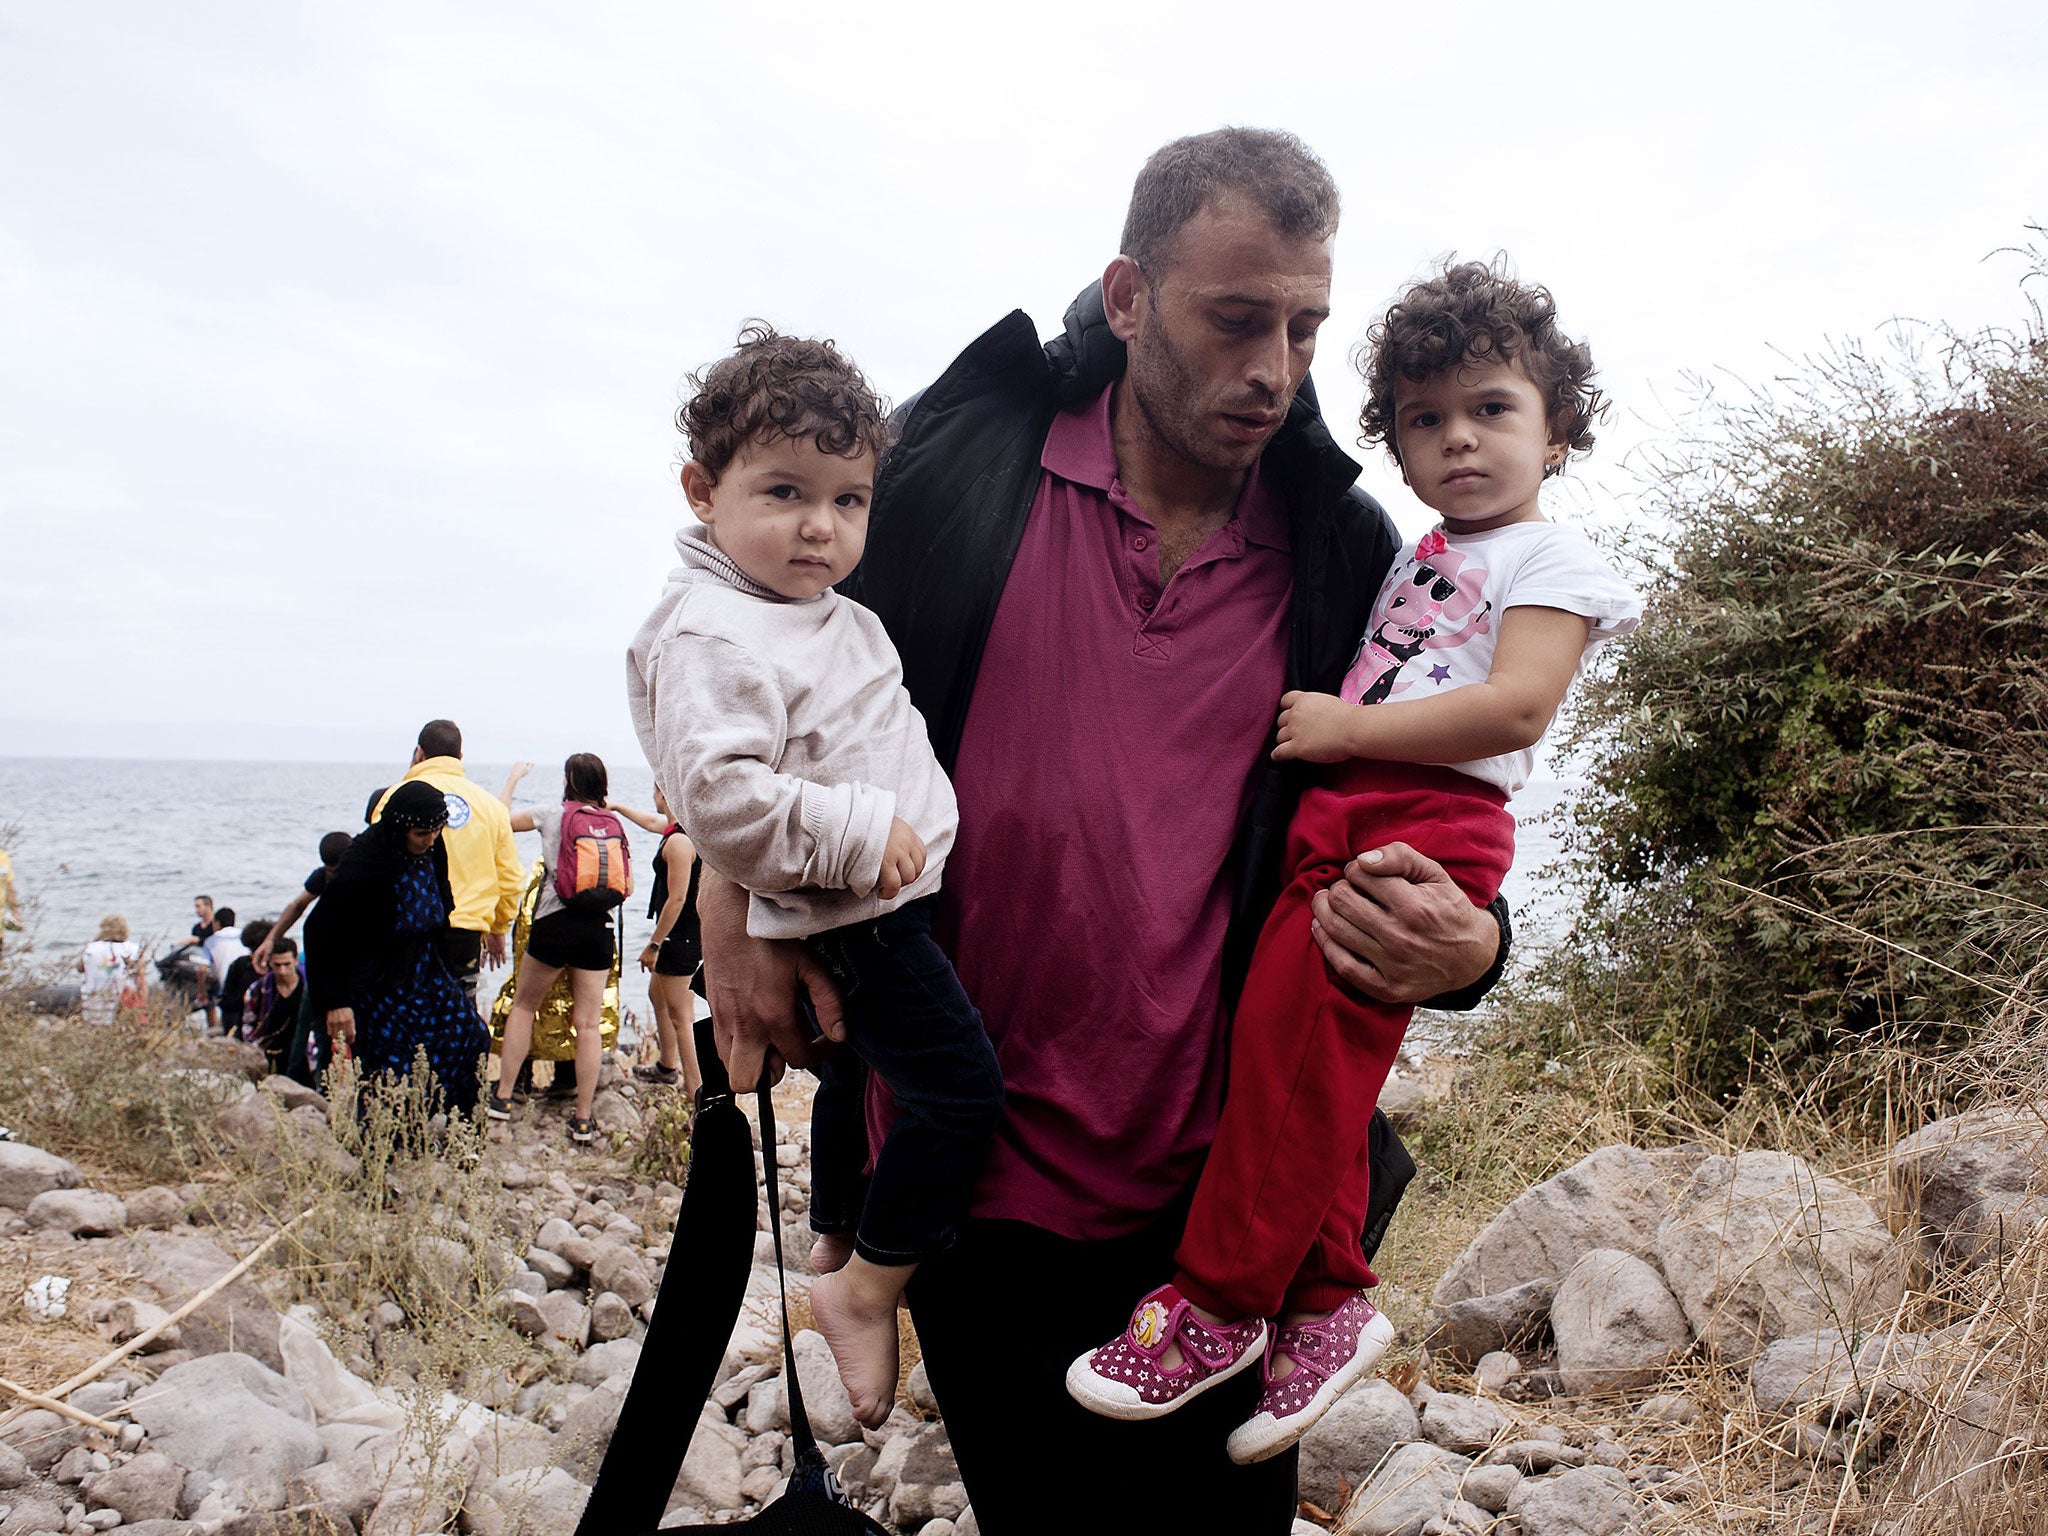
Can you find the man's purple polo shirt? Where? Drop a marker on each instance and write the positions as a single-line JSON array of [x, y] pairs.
[[1108, 756]]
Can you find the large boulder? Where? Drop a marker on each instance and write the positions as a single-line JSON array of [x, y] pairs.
[[1616, 1323], [1612, 1198], [1467, 1425], [232, 1416], [1413, 1486], [825, 1399], [27, 1171], [1789, 1374], [712, 1474], [587, 1429], [179, 1264], [540, 1501], [1759, 1247], [1963, 1182], [1348, 1441]]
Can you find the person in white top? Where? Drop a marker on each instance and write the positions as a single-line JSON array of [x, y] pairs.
[[774, 714], [112, 969], [1474, 641]]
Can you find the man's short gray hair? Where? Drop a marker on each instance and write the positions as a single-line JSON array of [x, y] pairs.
[[1276, 171]]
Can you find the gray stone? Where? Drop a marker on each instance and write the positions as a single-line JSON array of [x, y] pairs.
[[233, 1417], [1535, 1457], [131, 1317], [42, 1437], [27, 1171], [1586, 1502], [565, 1315], [72, 1466], [1808, 1368], [587, 1429], [550, 1266], [1349, 1441], [1953, 1178], [540, 1501], [39, 1511], [1413, 1486], [1464, 1424], [145, 1488], [292, 1095], [1490, 1487], [154, 1207], [1759, 1247], [346, 1490], [711, 1475], [177, 1265], [618, 1269], [1495, 1370], [1670, 1408], [824, 1395], [1461, 1517], [1612, 1198], [528, 1281], [1992, 1228], [610, 1318], [81, 1212], [614, 1116], [1461, 1332], [1617, 1324], [553, 1234], [14, 1469], [917, 1386], [603, 1361], [523, 1311]]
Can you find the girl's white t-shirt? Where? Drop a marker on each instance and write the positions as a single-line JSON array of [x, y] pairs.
[[1436, 620], [109, 966]]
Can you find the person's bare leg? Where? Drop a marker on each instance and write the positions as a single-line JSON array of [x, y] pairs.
[[855, 1309], [531, 992], [587, 1019]]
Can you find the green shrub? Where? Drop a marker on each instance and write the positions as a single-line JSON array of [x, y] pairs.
[[1819, 768]]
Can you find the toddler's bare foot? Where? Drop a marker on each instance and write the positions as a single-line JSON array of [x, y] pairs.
[[830, 1252], [855, 1309]]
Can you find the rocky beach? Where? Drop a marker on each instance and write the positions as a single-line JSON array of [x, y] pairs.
[[1666, 1339]]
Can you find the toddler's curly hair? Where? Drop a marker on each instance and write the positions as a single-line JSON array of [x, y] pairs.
[[1469, 311], [781, 386]]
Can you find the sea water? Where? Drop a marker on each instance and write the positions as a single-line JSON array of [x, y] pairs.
[[92, 836]]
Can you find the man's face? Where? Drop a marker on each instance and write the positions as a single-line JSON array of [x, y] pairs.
[[789, 514], [202, 908], [1224, 335], [285, 969]]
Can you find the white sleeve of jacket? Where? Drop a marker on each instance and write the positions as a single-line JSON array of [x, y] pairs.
[[718, 723]]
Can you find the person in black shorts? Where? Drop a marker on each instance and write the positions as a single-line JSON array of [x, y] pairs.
[[675, 951], [580, 941]]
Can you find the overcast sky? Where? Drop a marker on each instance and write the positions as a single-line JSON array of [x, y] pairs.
[[342, 342]]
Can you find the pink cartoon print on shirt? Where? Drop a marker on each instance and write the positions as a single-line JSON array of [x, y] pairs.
[[1435, 601]]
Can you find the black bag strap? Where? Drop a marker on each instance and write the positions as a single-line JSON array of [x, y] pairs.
[[710, 1257], [701, 1293]]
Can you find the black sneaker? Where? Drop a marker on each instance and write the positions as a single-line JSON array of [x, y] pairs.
[[582, 1131], [497, 1108], [668, 1077]]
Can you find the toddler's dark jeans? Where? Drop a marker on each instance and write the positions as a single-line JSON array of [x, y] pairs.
[[909, 1022]]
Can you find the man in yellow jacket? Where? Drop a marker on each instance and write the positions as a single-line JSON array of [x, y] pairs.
[[484, 869]]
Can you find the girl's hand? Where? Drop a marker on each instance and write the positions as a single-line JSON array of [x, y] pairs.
[[649, 955], [1317, 728]]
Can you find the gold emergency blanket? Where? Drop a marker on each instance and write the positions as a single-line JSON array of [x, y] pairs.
[[553, 1039]]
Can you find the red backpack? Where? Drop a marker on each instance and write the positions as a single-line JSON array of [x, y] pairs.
[[593, 865]]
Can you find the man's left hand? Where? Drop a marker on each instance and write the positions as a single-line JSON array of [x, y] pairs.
[[494, 950], [1397, 928]]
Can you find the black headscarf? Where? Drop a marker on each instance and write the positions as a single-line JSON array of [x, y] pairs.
[[355, 941]]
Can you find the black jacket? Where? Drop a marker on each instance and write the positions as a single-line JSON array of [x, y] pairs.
[[950, 506]]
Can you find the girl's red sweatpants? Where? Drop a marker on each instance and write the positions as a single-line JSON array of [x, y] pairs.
[[1280, 1209]]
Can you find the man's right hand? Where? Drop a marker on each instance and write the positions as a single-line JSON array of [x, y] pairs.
[[261, 958], [754, 985]]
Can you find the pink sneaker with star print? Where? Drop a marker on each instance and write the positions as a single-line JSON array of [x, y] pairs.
[[1329, 1357], [1128, 1379]]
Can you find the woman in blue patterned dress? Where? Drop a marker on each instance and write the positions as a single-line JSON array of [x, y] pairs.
[[381, 982]]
